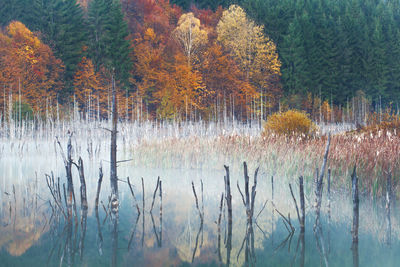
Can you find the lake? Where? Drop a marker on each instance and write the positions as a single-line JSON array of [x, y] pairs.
[[172, 232]]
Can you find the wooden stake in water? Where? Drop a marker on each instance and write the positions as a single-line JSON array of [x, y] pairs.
[[354, 193]]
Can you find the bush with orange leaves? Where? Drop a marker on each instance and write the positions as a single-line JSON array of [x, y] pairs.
[[291, 122]]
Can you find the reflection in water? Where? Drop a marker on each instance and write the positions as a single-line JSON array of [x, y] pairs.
[[159, 234], [197, 240], [144, 216], [303, 249], [319, 239], [131, 239], [219, 230], [114, 238], [387, 209], [34, 236], [99, 233], [354, 250], [248, 202], [83, 231]]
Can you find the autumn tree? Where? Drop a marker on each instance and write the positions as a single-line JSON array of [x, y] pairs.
[[224, 80], [183, 91], [158, 15], [87, 87], [190, 35], [148, 68], [168, 85], [29, 66], [254, 52]]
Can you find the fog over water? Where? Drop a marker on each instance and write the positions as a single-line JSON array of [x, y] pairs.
[[31, 233]]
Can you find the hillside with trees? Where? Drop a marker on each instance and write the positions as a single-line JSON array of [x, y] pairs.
[[201, 59]]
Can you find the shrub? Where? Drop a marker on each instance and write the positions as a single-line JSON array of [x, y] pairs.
[[291, 122]]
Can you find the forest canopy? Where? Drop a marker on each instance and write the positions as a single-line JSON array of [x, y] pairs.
[[200, 58]]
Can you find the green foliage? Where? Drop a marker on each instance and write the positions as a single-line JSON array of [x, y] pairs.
[[291, 122], [11, 10], [328, 48], [22, 111], [334, 48], [108, 44], [62, 27]]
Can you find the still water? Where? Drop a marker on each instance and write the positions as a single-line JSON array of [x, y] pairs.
[[173, 233]]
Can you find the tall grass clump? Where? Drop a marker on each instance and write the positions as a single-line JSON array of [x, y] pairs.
[[289, 123]]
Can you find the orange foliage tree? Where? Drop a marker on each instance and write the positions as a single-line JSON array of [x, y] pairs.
[[170, 86], [212, 78], [224, 80], [87, 87], [29, 66], [183, 91]]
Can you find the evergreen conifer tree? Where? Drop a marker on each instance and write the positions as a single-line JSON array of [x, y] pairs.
[[62, 27], [108, 34]]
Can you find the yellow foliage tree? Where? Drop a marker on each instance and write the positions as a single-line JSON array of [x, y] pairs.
[[190, 35], [326, 111], [254, 52]]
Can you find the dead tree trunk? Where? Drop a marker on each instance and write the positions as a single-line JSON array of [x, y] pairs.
[[99, 188], [354, 191], [319, 183], [228, 198], [68, 169], [388, 199], [197, 202], [113, 156], [133, 195], [248, 201], [160, 191], [302, 206], [84, 204], [329, 190]]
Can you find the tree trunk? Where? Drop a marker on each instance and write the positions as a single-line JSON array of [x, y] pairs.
[[113, 156]]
